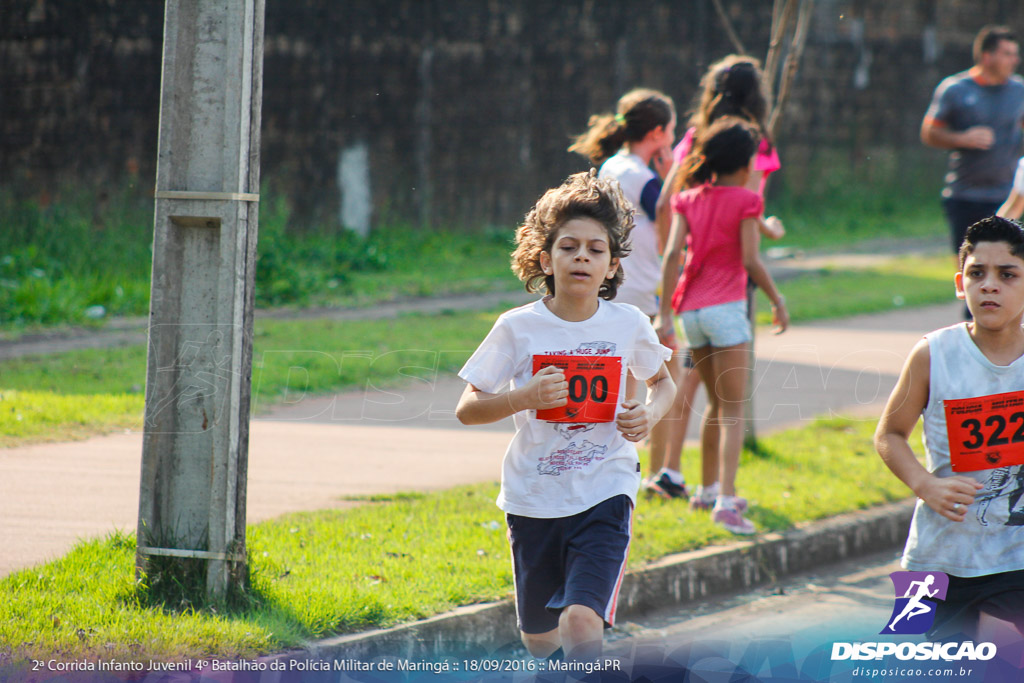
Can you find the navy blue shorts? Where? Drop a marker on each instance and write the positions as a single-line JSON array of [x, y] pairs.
[[562, 561], [999, 595]]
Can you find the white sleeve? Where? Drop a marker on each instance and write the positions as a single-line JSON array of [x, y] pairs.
[[493, 365], [1018, 177], [648, 353]]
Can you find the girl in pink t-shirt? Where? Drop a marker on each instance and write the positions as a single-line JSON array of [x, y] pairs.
[[716, 219], [732, 86]]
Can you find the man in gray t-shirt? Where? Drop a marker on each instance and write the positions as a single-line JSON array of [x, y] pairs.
[[977, 115]]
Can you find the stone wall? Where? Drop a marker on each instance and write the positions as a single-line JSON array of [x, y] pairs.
[[458, 112]]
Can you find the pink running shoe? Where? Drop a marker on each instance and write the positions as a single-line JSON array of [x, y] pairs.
[[734, 521]]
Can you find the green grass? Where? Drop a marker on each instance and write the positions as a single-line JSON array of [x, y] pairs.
[[903, 282], [47, 279], [71, 395], [88, 602], [43, 416], [833, 201], [401, 558], [299, 357], [818, 471]]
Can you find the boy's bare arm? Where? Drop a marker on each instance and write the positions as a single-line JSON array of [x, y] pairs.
[[905, 405], [636, 420], [546, 389]]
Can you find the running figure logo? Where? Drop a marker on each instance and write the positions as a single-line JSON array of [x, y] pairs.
[[914, 608]]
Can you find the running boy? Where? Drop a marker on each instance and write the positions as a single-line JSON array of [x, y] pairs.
[[568, 485], [968, 522]]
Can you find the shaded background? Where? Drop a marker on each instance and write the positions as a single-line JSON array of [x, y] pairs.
[[458, 113]]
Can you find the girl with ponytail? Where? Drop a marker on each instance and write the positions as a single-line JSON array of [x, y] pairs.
[[732, 86], [624, 146]]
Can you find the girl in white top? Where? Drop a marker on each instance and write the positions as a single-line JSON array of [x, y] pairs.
[[624, 146]]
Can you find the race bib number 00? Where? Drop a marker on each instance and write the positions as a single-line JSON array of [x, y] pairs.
[[985, 432], [593, 387]]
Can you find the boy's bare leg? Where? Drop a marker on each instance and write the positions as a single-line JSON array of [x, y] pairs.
[[541, 645], [582, 631]]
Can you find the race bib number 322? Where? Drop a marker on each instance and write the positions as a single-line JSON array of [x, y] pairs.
[[593, 387], [985, 432]]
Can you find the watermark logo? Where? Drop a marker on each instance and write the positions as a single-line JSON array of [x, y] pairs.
[[916, 594]]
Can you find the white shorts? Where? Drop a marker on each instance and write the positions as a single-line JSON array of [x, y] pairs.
[[719, 326]]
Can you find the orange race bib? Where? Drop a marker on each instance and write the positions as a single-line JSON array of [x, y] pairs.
[[985, 432], [593, 387]]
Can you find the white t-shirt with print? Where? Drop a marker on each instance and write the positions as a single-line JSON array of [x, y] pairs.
[[560, 469], [642, 267]]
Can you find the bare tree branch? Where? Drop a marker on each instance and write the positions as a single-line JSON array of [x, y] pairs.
[[781, 18], [736, 42], [776, 15], [796, 51]]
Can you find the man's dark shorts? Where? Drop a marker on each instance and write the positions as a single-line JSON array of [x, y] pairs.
[[962, 214], [998, 595], [576, 560]]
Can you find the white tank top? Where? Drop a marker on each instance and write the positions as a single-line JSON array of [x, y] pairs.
[[991, 537]]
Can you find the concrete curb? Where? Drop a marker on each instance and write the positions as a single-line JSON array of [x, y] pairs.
[[670, 582]]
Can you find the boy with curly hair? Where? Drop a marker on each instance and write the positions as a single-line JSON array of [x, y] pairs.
[[571, 473]]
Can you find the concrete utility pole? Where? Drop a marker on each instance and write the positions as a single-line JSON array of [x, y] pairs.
[[198, 378]]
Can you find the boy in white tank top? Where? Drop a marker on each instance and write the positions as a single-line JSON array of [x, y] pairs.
[[969, 519]]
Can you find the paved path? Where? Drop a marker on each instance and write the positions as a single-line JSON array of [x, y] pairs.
[[310, 454], [779, 626], [788, 630]]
